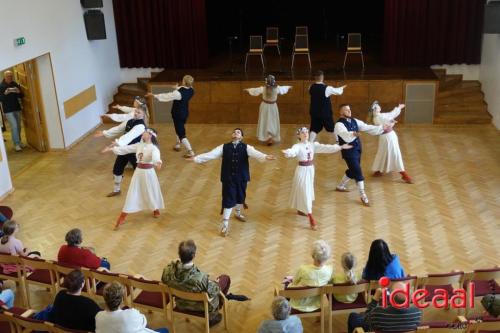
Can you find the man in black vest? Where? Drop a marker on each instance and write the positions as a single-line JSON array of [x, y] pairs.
[[235, 174], [347, 129], [10, 98], [321, 106], [131, 132], [180, 111]]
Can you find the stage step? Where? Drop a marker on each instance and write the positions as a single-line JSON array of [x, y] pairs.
[[126, 93], [462, 117], [134, 89]]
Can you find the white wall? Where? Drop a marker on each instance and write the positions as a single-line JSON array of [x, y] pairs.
[[490, 75], [57, 27]]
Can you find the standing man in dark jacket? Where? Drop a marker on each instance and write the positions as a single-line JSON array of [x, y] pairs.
[[235, 174], [321, 106], [10, 96]]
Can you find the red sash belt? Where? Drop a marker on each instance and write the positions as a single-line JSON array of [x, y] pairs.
[[269, 102], [306, 163], [145, 166]]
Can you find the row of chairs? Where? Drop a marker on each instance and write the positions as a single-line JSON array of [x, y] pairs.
[[22, 323], [147, 295], [485, 282]]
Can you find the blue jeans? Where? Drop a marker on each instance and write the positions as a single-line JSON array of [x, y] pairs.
[[14, 119], [7, 296]]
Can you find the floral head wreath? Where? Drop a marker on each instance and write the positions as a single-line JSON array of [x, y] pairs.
[[150, 131], [372, 107], [302, 130]]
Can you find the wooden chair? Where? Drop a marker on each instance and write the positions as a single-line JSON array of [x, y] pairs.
[[301, 46], [149, 295], [446, 281], [359, 305], [486, 281], [487, 324], [17, 276], [354, 46], [410, 279], [195, 297], [7, 322], [303, 292], [39, 272], [256, 49], [98, 279], [27, 325], [272, 38], [63, 269]]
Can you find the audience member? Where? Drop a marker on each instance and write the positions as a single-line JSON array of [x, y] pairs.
[[382, 263], [348, 275], [11, 245], [73, 253], [282, 322], [491, 304]]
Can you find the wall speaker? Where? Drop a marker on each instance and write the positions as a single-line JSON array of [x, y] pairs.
[[94, 24], [492, 18], [91, 3]]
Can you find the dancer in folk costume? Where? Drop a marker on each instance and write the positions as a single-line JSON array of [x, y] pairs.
[[131, 132], [128, 111], [302, 194], [268, 127], [235, 174], [320, 108], [144, 192], [388, 156], [347, 129], [180, 111]]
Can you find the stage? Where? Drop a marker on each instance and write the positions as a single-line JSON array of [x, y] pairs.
[[220, 98]]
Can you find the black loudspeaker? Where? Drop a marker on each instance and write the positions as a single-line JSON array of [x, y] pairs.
[[94, 24], [492, 18], [91, 3]]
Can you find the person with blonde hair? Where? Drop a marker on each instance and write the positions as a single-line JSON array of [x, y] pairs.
[[180, 111], [268, 126], [348, 275], [302, 194], [388, 158], [316, 274]]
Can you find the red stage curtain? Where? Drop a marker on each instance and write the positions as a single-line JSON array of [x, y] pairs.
[[161, 33], [428, 32]]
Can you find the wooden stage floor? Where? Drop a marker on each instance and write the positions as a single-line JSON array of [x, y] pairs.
[[449, 219]]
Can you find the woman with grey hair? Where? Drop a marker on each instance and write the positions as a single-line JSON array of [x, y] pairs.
[[268, 127], [388, 158], [282, 322], [316, 274]]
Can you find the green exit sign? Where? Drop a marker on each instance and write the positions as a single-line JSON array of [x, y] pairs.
[[19, 41]]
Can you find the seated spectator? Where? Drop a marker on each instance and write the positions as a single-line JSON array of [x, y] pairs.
[[379, 319], [316, 274], [348, 262], [5, 214], [491, 304], [6, 297], [70, 308], [11, 245], [185, 276], [116, 320], [77, 255], [283, 322], [382, 263]]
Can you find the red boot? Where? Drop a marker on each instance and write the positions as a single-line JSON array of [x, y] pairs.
[[121, 220], [156, 213], [406, 178], [377, 174], [312, 221]]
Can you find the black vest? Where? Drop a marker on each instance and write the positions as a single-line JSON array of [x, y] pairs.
[[235, 163], [180, 107], [321, 106], [355, 151], [130, 124]]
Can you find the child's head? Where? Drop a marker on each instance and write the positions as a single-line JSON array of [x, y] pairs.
[[348, 261]]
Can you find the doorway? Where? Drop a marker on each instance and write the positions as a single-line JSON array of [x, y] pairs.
[[38, 104]]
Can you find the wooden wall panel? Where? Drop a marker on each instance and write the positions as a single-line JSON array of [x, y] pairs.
[[386, 91], [201, 93], [225, 92], [246, 98], [79, 101], [294, 95]]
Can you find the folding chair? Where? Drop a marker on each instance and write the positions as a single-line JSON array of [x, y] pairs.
[[359, 305], [485, 282], [256, 49], [98, 279], [354, 46], [17, 276], [301, 46], [39, 272], [149, 295], [446, 281], [28, 325], [303, 292], [195, 297], [272, 38], [62, 270], [7, 322]]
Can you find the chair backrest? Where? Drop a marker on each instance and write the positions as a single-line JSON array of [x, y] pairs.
[[29, 324], [486, 274], [353, 41], [272, 34], [97, 276], [301, 43], [255, 43], [63, 269], [147, 285], [485, 325], [301, 30], [188, 296], [8, 317], [301, 292], [7, 258], [361, 286], [410, 279], [442, 279]]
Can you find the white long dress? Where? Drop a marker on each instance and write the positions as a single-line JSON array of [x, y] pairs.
[[269, 117], [388, 156], [144, 192], [302, 194]]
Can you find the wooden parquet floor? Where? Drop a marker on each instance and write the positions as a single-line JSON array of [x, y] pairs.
[[449, 219]]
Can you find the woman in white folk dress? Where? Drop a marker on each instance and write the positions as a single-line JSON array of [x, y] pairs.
[[302, 194], [388, 158], [144, 192], [268, 127]]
